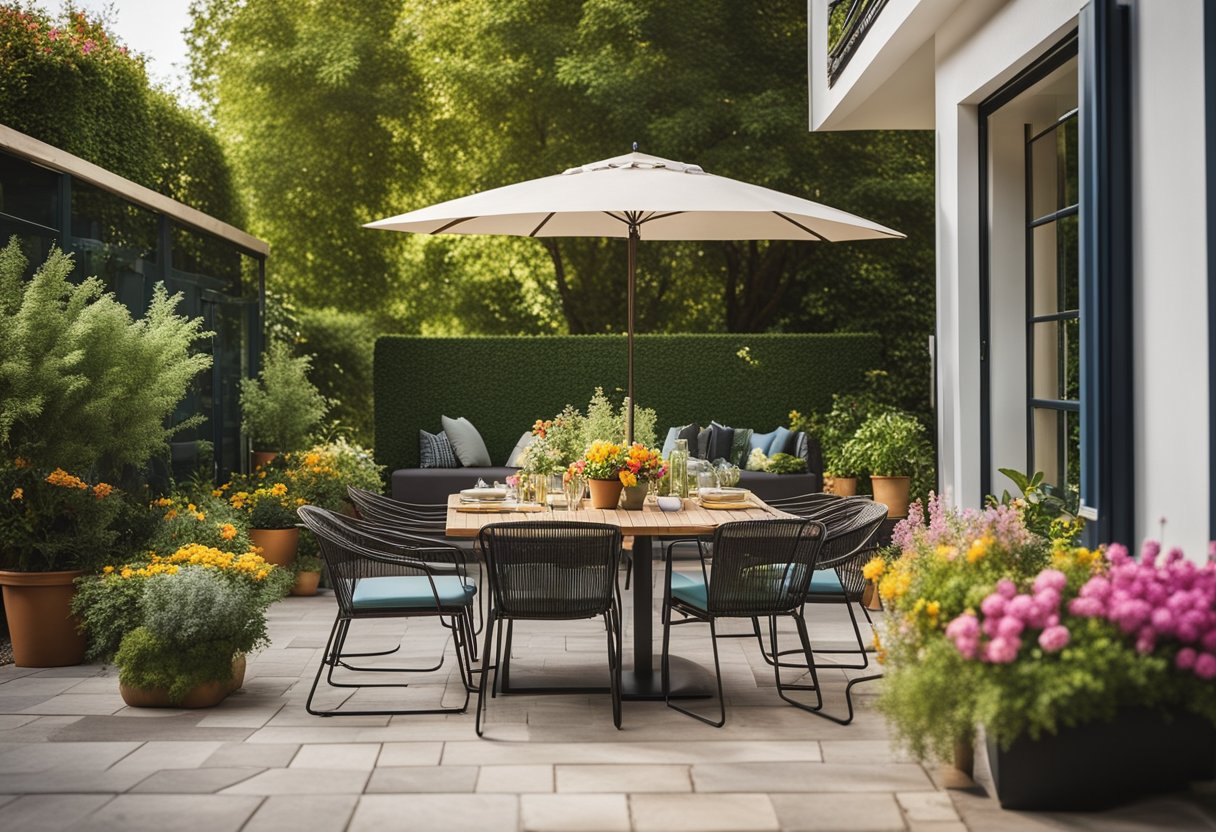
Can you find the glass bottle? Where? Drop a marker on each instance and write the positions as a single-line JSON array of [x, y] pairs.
[[677, 463]]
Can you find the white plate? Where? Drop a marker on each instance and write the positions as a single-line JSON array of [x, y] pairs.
[[484, 494], [723, 494]]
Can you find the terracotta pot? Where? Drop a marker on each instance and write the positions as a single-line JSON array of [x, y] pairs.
[[38, 606], [893, 493], [605, 493], [306, 583], [278, 545], [842, 486], [259, 458], [633, 498], [201, 696]]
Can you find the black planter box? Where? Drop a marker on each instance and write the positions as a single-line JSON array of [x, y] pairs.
[[1102, 764]]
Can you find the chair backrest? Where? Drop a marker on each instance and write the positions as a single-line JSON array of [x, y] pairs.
[[847, 546], [551, 569], [801, 502], [351, 552], [763, 567], [417, 519]]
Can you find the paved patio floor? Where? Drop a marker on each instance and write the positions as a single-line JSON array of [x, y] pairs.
[[72, 756]]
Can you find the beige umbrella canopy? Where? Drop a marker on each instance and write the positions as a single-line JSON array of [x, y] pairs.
[[637, 195]]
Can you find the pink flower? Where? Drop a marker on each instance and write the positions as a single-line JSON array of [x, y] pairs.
[[1047, 599], [1009, 627], [1205, 666], [1050, 579], [966, 625], [1021, 607], [89, 46], [1054, 639], [1085, 607], [1185, 659], [1149, 552], [1002, 650], [1006, 588], [993, 606]]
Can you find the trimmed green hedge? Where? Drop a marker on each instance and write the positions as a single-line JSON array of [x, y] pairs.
[[503, 384]]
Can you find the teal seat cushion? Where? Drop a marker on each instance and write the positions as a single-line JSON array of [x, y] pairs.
[[826, 582], [690, 589], [411, 592]]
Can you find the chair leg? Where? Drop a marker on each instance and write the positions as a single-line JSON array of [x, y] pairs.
[[614, 668], [485, 673], [332, 658], [666, 677], [861, 647], [782, 687], [848, 688]]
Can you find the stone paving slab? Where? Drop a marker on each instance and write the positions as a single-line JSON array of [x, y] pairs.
[[80, 759]]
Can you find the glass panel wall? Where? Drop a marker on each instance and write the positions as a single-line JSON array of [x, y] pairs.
[[131, 249]]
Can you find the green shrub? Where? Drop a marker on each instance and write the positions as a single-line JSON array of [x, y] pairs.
[[205, 519], [889, 444], [785, 464], [501, 384], [83, 386], [606, 422], [321, 474], [51, 520], [342, 344], [281, 407]]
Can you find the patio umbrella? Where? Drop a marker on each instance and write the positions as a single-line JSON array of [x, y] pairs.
[[637, 195]]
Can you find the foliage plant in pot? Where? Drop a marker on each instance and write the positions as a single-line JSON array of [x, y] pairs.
[[602, 465], [308, 575], [833, 429], [281, 407], [178, 627], [643, 467], [271, 513], [321, 474], [891, 446], [1091, 673], [86, 394]]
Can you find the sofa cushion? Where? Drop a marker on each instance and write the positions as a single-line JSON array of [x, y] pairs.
[[762, 441], [524, 441], [702, 446], [470, 448], [687, 432], [433, 486], [781, 443], [435, 451], [721, 440]]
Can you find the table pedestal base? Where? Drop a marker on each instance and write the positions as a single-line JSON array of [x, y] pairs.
[[689, 680]]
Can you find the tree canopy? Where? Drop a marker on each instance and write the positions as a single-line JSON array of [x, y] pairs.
[[336, 113]]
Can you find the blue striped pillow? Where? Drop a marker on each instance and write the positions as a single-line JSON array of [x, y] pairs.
[[435, 451]]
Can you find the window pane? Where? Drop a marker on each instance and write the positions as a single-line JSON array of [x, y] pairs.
[[1045, 268], [1048, 429], [1045, 179], [29, 192], [1069, 163], [1067, 269], [1071, 389], [1048, 374]]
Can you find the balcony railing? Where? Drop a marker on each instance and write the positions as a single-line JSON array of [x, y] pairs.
[[848, 23]]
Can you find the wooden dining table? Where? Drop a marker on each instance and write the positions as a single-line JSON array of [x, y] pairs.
[[643, 680]]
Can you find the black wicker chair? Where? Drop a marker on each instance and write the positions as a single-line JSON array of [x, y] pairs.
[[550, 571], [376, 573], [761, 569]]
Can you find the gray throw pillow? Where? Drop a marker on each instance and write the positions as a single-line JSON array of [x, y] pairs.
[[702, 447], [686, 432], [435, 451], [721, 442], [524, 441], [470, 448]]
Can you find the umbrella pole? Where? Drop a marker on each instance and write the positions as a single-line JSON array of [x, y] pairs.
[[633, 265]]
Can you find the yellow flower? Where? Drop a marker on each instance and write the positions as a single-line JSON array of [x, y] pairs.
[[163, 502], [170, 514], [18, 494], [946, 552], [227, 531], [933, 608], [261, 475], [628, 479], [21, 462], [873, 570], [107, 570], [102, 490], [300, 501], [217, 492], [977, 550], [278, 489]]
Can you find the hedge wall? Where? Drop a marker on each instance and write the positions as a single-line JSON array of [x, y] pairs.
[[503, 384]]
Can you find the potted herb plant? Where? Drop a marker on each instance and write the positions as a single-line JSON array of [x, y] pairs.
[[602, 465], [271, 513], [642, 467], [87, 393], [1091, 673], [308, 575], [891, 446], [177, 627], [54, 528], [281, 407]]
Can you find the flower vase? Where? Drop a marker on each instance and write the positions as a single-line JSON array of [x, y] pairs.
[[605, 493], [574, 489], [634, 496], [540, 487]]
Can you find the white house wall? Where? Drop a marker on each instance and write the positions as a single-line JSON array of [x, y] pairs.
[[1170, 272], [978, 52]]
